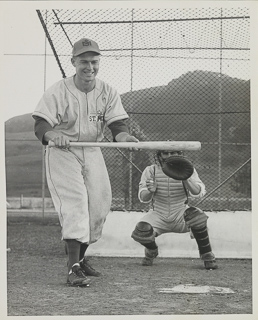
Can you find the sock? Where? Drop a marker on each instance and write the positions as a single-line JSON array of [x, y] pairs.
[[83, 249], [76, 264], [152, 245], [202, 239], [73, 251]]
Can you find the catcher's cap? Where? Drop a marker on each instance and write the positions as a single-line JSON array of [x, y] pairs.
[[85, 45], [179, 152]]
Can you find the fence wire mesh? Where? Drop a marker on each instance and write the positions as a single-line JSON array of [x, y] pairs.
[[183, 74]]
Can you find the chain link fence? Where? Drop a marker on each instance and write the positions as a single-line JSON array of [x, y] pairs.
[[183, 74]]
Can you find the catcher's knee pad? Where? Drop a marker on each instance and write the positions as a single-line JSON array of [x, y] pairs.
[[195, 218], [143, 233]]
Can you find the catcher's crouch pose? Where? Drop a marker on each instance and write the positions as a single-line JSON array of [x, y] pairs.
[[170, 213]]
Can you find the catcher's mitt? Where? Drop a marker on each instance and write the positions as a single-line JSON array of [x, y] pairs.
[[177, 167]]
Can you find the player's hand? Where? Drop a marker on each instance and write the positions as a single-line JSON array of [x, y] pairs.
[[132, 139], [151, 185], [126, 137], [61, 142]]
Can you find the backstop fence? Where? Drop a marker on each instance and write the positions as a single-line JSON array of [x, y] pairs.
[[184, 75]]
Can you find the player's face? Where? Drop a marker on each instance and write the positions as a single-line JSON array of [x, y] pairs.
[[86, 66], [165, 154]]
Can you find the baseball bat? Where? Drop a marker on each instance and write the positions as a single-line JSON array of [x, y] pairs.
[[148, 145]]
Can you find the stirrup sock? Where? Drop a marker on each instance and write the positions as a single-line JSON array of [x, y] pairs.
[[83, 249]]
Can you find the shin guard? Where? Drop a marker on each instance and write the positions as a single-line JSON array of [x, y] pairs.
[[202, 238], [143, 233]]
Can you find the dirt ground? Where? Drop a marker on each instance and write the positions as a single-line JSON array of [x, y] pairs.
[[36, 280]]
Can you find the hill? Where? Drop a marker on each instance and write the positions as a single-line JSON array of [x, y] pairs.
[[198, 105], [197, 97], [20, 125], [23, 157]]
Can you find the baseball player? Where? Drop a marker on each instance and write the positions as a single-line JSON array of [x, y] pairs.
[[79, 108], [170, 211]]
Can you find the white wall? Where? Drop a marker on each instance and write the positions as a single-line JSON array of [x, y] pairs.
[[230, 236], [230, 233]]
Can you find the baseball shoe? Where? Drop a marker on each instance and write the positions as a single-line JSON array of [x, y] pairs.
[[87, 269], [77, 277], [210, 265], [150, 255], [209, 261]]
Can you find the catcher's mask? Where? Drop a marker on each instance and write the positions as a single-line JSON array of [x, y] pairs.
[[158, 155]]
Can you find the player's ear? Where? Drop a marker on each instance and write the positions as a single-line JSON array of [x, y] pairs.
[[73, 61]]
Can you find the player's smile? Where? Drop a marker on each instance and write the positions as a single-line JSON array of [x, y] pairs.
[[89, 71], [89, 74]]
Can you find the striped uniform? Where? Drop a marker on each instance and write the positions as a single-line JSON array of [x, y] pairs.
[[77, 177], [168, 201]]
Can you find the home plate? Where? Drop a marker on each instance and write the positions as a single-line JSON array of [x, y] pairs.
[[192, 288]]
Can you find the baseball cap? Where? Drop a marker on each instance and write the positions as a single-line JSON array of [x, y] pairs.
[[85, 45]]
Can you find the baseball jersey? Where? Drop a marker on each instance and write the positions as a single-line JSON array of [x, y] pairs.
[[77, 177], [168, 201], [80, 116], [170, 195]]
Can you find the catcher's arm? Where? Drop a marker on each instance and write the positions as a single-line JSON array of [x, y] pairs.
[[195, 185], [181, 168], [147, 185], [146, 195]]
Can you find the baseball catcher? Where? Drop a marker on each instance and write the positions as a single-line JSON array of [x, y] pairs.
[[168, 184]]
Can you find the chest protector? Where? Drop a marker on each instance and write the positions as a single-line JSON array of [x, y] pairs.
[[170, 196]]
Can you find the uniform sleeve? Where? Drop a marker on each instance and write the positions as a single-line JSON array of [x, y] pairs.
[[48, 106], [117, 127], [148, 173], [196, 180], [115, 110], [41, 126]]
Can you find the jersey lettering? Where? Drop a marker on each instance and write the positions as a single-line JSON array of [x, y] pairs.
[[99, 117]]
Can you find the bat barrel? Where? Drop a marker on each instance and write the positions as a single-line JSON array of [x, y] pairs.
[[147, 145]]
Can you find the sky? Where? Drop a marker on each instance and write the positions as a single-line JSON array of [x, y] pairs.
[[23, 62]]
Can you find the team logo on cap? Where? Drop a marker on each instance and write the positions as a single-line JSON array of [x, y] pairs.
[[86, 43]]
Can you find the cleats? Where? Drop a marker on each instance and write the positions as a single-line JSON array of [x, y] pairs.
[[209, 261], [150, 255], [210, 265], [88, 270], [77, 278]]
